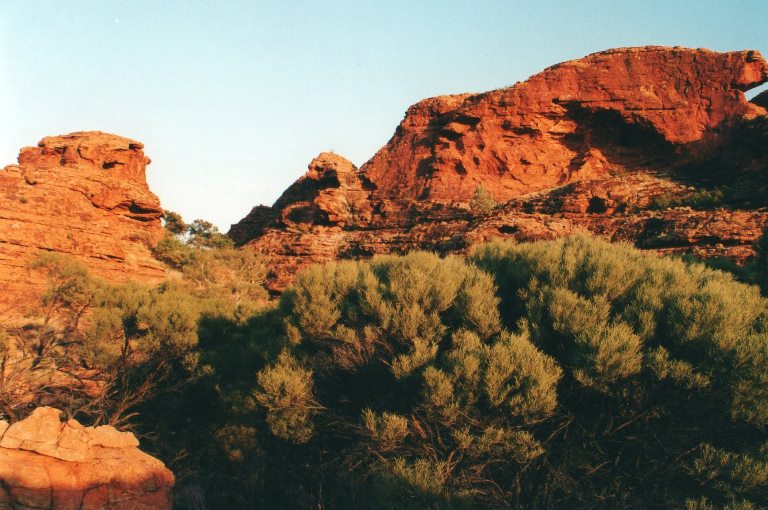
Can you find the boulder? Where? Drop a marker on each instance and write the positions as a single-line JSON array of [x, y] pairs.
[[47, 463]]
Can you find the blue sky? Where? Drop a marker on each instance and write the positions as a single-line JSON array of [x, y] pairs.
[[232, 99]]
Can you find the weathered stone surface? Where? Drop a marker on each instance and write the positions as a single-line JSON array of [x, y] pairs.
[[591, 144], [49, 464], [332, 192], [82, 194], [546, 131]]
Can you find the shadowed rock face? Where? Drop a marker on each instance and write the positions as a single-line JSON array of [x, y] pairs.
[[49, 464], [85, 195], [586, 144]]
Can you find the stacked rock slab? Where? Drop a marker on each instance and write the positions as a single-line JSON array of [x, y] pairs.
[[85, 195], [49, 464], [589, 144]]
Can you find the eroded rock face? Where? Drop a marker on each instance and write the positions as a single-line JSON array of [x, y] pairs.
[[49, 464], [591, 144], [565, 124], [85, 195]]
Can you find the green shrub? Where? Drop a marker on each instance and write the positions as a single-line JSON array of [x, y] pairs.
[[599, 377], [482, 202], [572, 373], [703, 199], [653, 350]]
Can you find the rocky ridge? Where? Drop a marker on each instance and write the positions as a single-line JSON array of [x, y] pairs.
[[49, 464], [85, 195], [598, 144]]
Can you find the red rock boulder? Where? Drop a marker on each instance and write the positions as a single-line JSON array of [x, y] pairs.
[[49, 464]]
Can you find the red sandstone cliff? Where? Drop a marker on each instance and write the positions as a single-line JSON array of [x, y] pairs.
[[85, 195], [591, 144]]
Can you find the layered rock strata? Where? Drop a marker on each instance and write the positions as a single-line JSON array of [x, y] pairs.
[[85, 195], [623, 143]]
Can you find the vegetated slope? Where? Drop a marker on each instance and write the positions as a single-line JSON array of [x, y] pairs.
[[118, 355], [618, 143], [84, 194]]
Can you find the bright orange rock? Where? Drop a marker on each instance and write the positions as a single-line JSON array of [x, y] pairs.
[[588, 144], [540, 134], [85, 195], [49, 464]]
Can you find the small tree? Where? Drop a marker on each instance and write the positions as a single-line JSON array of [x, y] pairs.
[[41, 360], [173, 223], [482, 202], [204, 234]]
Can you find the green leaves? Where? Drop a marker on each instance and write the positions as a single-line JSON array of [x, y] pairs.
[[387, 429], [565, 373], [285, 392], [395, 311], [482, 202], [735, 475], [520, 379]]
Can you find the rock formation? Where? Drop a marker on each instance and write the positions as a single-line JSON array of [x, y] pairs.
[[49, 464], [617, 143], [85, 195]]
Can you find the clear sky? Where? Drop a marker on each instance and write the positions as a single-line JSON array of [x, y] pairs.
[[232, 99]]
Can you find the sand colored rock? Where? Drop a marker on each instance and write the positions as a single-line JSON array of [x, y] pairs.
[[49, 464], [590, 144], [85, 195]]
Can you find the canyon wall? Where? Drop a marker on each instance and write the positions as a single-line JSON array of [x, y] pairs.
[[598, 144]]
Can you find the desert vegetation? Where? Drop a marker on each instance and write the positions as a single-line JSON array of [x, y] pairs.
[[570, 373], [482, 203], [703, 199]]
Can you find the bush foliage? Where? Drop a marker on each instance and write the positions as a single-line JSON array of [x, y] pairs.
[[566, 373], [570, 373], [482, 202], [703, 199]]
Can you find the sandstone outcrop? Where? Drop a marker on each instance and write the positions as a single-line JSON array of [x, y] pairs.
[[49, 464], [85, 195], [617, 143], [566, 123]]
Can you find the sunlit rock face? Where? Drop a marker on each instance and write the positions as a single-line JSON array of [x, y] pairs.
[[85, 195], [47, 463], [589, 144]]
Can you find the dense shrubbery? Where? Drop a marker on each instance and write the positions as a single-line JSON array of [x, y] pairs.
[[129, 355], [599, 376], [665, 368], [209, 264], [99, 350], [570, 373]]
